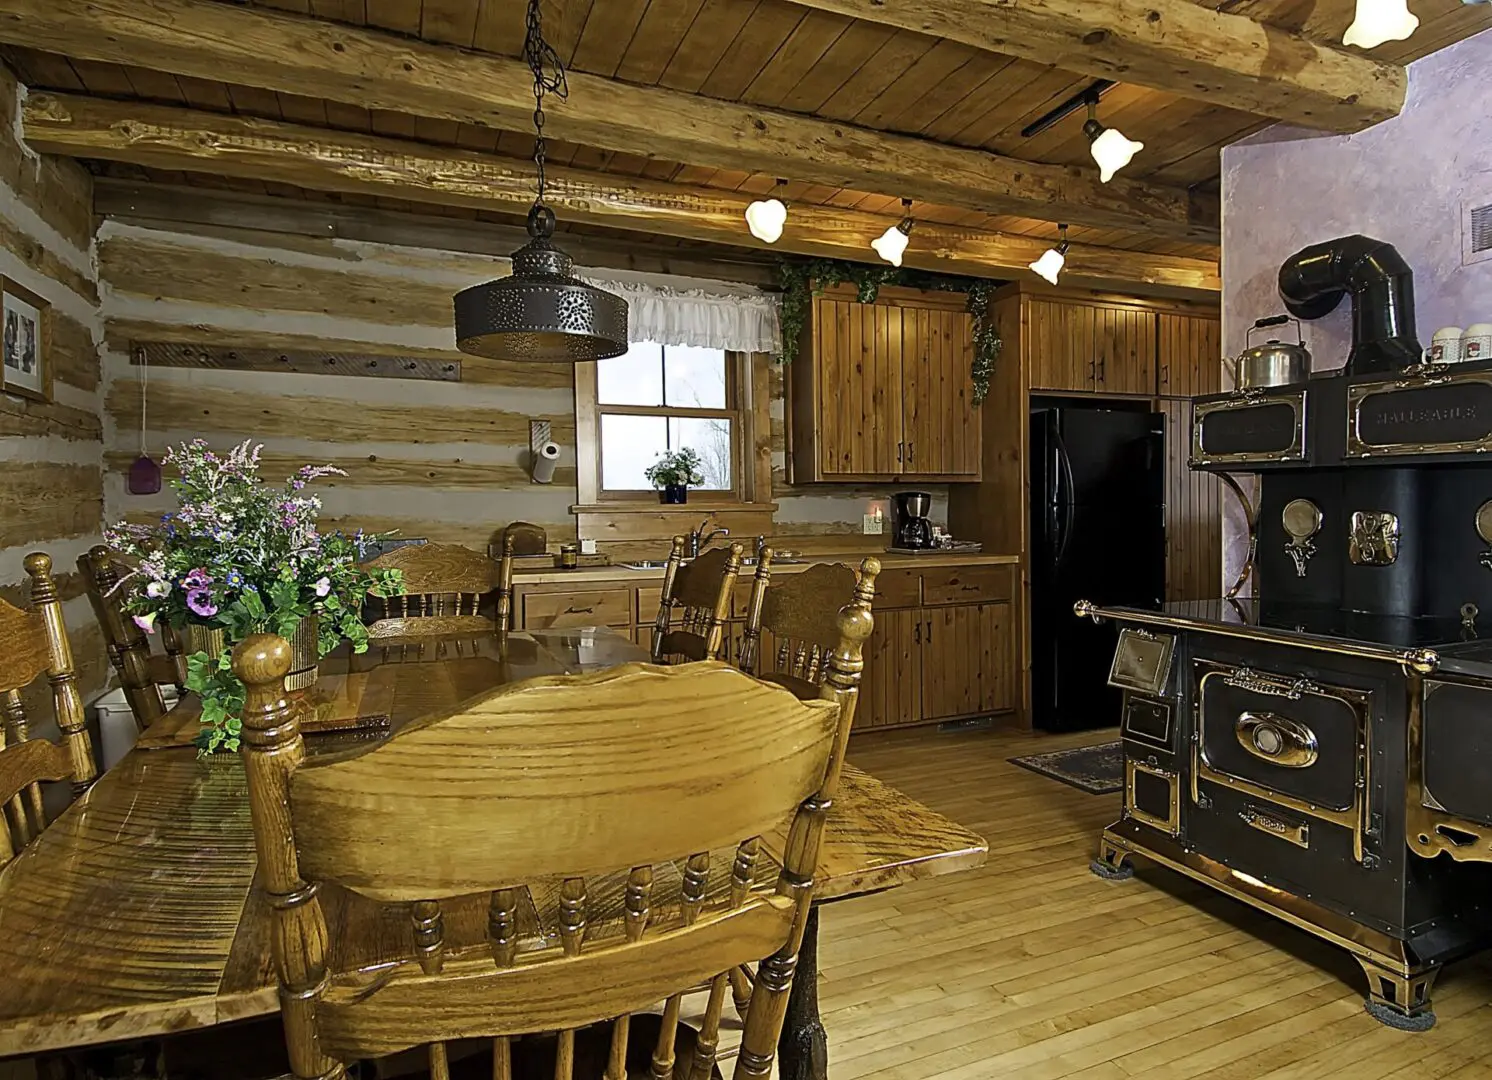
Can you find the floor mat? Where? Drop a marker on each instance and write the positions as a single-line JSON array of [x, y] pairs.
[[1098, 770]]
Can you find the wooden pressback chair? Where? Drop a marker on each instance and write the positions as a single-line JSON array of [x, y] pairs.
[[700, 592], [792, 623], [444, 585], [33, 643], [561, 778], [141, 672]]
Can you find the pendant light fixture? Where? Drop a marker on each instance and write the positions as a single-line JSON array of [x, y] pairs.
[[1053, 259], [1108, 145], [541, 312], [145, 473], [766, 217], [1378, 21], [892, 243]]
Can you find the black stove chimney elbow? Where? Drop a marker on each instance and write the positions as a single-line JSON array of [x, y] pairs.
[[1314, 280]]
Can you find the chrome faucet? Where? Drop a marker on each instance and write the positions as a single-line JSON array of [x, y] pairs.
[[699, 539]]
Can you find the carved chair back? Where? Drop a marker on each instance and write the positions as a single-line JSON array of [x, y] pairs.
[[699, 593], [141, 672], [34, 643], [444, 585], [562, 780], [792, 623]]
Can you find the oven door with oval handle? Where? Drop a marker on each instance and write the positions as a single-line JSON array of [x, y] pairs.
[[1300, 742]]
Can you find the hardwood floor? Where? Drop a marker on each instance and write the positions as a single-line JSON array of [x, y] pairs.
[[1031, 968]]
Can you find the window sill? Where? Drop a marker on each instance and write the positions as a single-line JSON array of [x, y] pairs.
[[647, 506]]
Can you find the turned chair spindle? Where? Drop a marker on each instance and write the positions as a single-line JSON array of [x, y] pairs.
[[444, 587], [141, 673]]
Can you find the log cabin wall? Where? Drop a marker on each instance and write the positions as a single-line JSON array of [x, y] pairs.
[[444, 460], [438, 459], [51, 453]]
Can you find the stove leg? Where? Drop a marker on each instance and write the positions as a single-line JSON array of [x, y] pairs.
[[1400, 1001], [1112, 863], [803, 1046]]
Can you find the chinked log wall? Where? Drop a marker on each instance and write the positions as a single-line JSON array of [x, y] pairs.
[[429, 458], [51, 453]]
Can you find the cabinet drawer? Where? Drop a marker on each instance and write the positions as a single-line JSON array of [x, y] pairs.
[[966, 585], [647, 605], [547, 611], [897, 589]]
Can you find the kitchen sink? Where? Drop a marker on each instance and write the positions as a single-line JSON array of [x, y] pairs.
[[651, 564]]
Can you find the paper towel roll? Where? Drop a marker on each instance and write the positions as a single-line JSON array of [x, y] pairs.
[[544, 462]]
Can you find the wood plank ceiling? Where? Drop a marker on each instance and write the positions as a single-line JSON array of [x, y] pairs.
[[777, 54]]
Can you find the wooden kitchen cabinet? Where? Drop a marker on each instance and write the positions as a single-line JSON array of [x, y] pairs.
[[1189, 355], [885, 391], [1089, 347], [967, 655]]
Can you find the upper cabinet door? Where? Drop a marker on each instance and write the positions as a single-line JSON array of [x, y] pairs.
[[1190, 348], [858, 352], [1124, 344], [1056, 346], [939, 420]]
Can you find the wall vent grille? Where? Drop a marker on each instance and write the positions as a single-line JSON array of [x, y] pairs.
[[1481, 229]]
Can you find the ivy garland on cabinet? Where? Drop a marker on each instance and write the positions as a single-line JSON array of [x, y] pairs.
[[802, 279]]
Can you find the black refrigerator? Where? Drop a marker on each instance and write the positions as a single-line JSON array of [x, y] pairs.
[[1097, 533]]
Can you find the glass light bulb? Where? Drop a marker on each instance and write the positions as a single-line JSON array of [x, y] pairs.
[[765, 219], [1378, 21], [891, 244], [1049, 265], [1113, 151]]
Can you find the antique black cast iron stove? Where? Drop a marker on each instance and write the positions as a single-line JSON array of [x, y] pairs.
[[1323, 750]]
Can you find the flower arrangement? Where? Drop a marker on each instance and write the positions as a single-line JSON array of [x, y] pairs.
[[244, 556], [673, 472]]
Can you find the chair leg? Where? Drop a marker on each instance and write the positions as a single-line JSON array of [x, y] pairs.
[[740, 989]]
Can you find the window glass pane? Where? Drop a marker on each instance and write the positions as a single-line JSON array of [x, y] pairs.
[[634, 378], [629, 444], [694, 378], [710, 438]]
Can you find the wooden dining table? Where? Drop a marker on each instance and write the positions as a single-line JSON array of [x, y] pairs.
[[135, 914]]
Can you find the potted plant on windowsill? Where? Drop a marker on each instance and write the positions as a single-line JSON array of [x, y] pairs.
[[672, 474], [238, 557]]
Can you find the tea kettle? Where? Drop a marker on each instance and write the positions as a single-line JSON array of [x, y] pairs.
[[1275, 363]]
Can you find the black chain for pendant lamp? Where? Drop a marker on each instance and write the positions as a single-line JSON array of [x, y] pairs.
[[541, 312]]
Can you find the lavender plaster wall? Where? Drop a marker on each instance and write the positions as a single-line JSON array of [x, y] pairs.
[[1404, 181]]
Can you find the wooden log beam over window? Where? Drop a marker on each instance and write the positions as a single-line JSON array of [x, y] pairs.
[[319, 159], [310, 57], [1178, 46]]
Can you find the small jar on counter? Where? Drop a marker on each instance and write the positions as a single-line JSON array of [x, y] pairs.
[[569, 556]]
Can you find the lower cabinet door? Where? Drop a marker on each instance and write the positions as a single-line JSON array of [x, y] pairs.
[[891, 688], [967, 660]]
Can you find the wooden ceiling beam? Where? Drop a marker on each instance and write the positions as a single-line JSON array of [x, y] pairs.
[[1178, 46], [314, 58], [165, 137]]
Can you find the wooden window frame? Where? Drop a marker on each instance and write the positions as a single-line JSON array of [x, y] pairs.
[[747, 391]]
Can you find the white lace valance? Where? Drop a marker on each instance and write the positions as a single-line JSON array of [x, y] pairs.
[[688, 311]]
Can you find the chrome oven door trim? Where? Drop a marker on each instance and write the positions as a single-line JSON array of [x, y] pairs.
[[1171, 823], [1354, 817], [1429, 828], [1358, 393]]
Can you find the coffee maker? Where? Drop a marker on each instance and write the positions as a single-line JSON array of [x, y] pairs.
[[910, 527]]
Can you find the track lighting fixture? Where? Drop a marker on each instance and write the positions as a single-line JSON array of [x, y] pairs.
[[1108, 146], [1378, 21], [1053, 259], [765, 217], [892, 243]]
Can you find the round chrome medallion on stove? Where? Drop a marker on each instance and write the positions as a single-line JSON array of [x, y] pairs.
[[1301, 518]]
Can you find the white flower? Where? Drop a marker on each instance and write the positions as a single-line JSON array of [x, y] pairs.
[[157, 589]]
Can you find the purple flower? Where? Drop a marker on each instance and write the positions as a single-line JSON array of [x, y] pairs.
[[197, 579], [200, 601], [323, 586], [234, 579], [146, 622]]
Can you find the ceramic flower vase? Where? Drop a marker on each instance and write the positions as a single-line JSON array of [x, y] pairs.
[[213, 640], [674, 494]]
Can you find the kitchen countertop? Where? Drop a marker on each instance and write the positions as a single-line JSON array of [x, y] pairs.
[[619, 573]]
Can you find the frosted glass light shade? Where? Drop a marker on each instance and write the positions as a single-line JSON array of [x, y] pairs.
[[765, 218], [1113, 151], [1378, 21], [1050, 264], [891, 244]]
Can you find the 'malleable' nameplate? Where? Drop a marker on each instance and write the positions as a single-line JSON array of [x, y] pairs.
[[1439, 414]]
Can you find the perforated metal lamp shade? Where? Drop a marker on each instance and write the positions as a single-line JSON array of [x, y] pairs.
[[541, 312]]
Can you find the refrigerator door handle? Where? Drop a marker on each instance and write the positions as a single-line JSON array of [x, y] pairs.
[[1067, 506]]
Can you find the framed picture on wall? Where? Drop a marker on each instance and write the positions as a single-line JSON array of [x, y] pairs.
[[28, 369]]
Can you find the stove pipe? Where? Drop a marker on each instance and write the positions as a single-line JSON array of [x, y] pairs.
[[1314, 279]]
